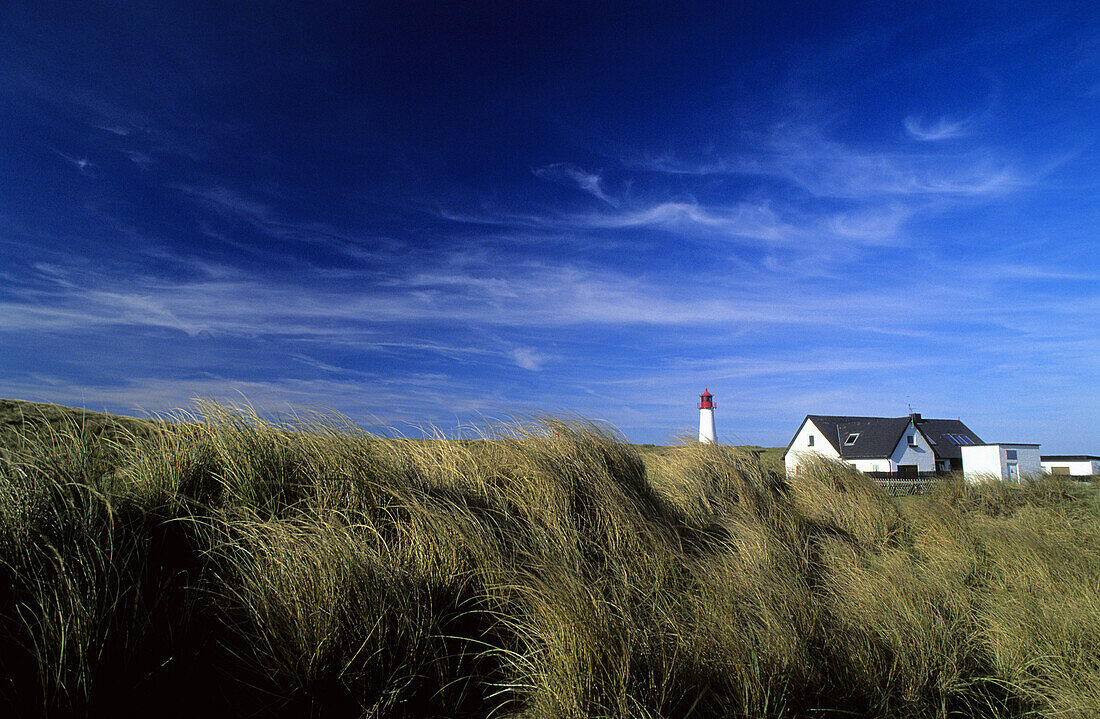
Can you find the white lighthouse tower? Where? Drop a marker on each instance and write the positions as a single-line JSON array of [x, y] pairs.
[[706, 417]]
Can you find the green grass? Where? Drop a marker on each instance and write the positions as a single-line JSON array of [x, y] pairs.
[[221, 563]]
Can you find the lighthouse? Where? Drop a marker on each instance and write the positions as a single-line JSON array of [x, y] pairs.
[[706, 417]]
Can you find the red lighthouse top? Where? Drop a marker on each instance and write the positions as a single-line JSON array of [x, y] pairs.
[[705, 400]]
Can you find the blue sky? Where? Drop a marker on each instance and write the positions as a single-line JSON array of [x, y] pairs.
[[434, 213]]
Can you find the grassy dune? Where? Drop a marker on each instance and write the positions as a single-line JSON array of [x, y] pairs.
[[223, 563]]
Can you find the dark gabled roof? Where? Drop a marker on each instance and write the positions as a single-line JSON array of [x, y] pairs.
[[936, 431], [1068, 457], [879, 436]]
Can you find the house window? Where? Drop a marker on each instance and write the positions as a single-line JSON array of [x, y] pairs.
[[851, 439], [810, 441], [1010, 454], [912, 440]]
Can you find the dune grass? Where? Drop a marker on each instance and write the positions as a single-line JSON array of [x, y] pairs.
[[221, 562]]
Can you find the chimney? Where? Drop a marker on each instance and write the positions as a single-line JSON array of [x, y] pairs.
[[915, 416]]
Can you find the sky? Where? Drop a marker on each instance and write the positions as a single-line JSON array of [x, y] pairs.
[[426, 214]]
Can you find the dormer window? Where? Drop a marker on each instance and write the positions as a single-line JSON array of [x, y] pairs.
[[851, 439]]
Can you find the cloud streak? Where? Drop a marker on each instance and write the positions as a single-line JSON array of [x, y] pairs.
[[469, 293], [589, 182], [806, 157], [82, 163], [528, 358], [745, 220], [405, 403], [232, 207], [827, 168], [940, 129]]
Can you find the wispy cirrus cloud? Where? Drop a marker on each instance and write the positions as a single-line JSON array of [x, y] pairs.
[[746, 220], [80, 162], [141, 159], [805, 156], [820, 362], [590, 182], [670, 165], [827, 168], [488, 292], [1052, 272], [528, 358], [120, 130], [406, 403], [232, 206], [545, 296], [760, 223], [879, 225], [942, 128], [756, 221]]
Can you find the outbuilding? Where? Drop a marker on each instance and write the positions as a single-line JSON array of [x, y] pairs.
[[1008, 462], [1074, 465]]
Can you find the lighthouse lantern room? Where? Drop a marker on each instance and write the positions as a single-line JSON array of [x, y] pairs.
[[706, 417]]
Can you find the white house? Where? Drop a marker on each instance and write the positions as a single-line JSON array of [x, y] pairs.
[[1076, 465], [902, 445], [1009, 462]]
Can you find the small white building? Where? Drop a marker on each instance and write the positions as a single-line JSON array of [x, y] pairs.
[[1074, 465], [1008, 462], [907, 446]]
